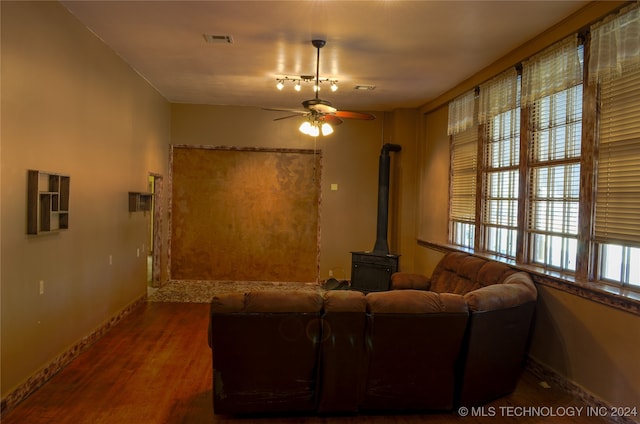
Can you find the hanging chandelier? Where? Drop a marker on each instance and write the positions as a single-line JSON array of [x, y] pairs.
[[297, 82]]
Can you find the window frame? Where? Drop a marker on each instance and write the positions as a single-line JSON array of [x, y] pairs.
[[532, 165], [486, 170]]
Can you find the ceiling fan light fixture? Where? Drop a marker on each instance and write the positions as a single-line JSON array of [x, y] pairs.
[[305, 128], [314, 131], [315, 128]]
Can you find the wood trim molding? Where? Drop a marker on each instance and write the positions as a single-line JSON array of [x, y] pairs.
[[548, 375]]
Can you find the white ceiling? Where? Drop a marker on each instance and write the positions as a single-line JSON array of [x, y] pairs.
[[411, 51]]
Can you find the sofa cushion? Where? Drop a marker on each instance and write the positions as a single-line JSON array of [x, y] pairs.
[[493, 273], [414, 302], [407, 280], [516, 289], [457, 273], [283, 301], [461, 273], [345, 301]]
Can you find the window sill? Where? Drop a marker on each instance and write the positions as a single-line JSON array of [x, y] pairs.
[[610, 295]]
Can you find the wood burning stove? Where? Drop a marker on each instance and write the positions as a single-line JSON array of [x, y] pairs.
[[371, 270]]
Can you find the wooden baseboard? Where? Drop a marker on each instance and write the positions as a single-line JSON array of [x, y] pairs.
[[544, 373], [38, 379]]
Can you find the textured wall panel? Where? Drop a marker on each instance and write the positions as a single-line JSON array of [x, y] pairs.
[[244, 214]]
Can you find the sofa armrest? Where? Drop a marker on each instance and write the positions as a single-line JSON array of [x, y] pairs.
[[515, 290], [226, 303], [407, 280]]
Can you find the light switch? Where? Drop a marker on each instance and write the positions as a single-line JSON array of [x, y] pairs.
[[334, 187]]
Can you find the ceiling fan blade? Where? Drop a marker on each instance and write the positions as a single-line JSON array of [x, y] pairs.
[[287, 117], [274, 109], [331, 119], [354, 115]]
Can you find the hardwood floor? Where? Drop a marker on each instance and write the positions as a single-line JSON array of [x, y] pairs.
[[155, 367]]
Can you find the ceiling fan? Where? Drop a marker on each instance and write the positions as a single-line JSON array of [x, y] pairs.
[[320, 113]]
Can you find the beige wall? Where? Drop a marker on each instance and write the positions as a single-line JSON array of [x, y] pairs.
[[593, 345], [70, 105], [349, 159], [403, 185]]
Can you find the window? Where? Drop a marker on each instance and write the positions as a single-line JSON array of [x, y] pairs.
[[555, 126], [464, 154], [499, 110], [552, 224], [620, 264], [617, 224], [615, 65], [500, 188], [544, 197]]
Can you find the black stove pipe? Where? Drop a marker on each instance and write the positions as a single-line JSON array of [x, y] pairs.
[[382, 246]]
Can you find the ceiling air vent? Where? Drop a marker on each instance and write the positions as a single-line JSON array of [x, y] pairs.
[[364, 87], [218, 39]]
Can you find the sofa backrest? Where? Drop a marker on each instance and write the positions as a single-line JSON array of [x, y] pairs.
[[265, 350], [345, 301], [461, 273], [342, 351], [268, 301], [415, 302], [413, 341]]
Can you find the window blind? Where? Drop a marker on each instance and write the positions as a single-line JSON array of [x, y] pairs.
[[617, 209], [464, 157], [615, 45], [461, 113], [554, 69], [499, 108], [499, 95]]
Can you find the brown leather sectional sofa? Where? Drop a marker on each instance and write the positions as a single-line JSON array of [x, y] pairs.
[[428, 344]]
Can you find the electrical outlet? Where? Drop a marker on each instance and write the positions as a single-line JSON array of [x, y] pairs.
[[41, 286], [110, 259], [137, 253]]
